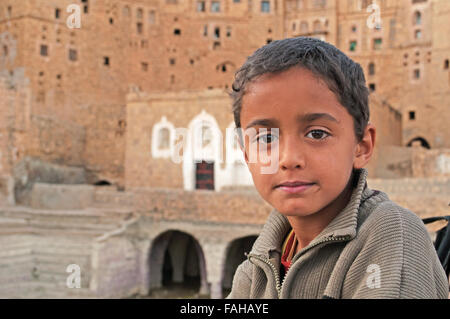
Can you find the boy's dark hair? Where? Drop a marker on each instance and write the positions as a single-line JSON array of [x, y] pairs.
[[342, 75]]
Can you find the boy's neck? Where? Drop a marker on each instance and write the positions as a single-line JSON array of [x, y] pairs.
[[307, 228]]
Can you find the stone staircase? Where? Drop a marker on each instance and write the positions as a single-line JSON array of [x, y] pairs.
[[37, 246]]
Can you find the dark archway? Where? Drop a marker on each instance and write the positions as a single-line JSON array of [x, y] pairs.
[[423, 142], [102, 183], [177, 266], [235, 255]]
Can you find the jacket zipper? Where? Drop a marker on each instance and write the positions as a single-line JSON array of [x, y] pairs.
[[274, 269]]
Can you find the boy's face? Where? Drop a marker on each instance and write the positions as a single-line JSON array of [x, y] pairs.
[[316, 143]]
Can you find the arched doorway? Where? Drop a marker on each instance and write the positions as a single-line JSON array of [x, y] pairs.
[[177, 266], [423, 142], [235, 255]]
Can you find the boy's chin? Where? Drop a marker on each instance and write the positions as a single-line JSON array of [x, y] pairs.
[[297, 211]]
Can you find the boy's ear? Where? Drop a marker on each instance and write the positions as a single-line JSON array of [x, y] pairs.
[[364, 149]]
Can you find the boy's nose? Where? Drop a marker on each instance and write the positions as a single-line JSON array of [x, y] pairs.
[[291, 154]]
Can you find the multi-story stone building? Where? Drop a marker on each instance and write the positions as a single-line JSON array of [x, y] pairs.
[[78, 78]]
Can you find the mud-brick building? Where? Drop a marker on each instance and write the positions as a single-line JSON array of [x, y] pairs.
[[79, 77]]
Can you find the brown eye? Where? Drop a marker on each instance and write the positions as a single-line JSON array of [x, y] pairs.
[[266, 138], [317, 134]]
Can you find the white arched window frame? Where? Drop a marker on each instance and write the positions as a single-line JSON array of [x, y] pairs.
[[165, 152], [195, 153]]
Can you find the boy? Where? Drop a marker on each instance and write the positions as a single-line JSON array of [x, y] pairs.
[[329, 235]]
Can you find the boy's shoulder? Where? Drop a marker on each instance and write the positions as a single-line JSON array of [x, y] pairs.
[[379, 214]]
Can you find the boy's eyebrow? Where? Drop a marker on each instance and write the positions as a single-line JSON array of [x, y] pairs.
[[263, 122], [308, 117]]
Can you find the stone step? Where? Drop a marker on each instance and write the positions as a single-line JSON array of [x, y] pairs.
[[33, 289]]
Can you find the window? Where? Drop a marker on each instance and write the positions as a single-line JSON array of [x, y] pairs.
[[372, 87], [228, 32], [417, 20], [446, 64], [372, 69], [354, 28], [377, 43], [73, 55], [139, 27], [5, 50], [57, 13], [412, 115], [172, 61], [139, 13], [353, 45], [85, 7], [215, 6], [44, 50], [417, 74], [418, 34], [144, 66], [265, 6], [106, 60], [201, 6], [217, 32], [177, 31], [163, 138], [205, 30]]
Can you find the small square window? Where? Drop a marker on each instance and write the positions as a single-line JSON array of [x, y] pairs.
[[377, 43], [44, 50], [106, 60], [418, 34], [57, 13], [372, 87], [201, 6], [446, 64], [177, 31], [215, 6], [353, 45], [412, 115], [139, 27], [73, 55], [144, 66], [265, 6], [417, 74]]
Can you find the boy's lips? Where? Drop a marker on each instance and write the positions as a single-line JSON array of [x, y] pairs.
[[294, 186]]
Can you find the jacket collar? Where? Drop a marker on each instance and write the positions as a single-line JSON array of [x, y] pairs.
[[344, 224]]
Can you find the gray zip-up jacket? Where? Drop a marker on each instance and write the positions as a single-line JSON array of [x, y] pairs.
[[372, 249]]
